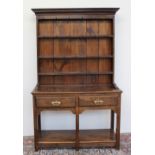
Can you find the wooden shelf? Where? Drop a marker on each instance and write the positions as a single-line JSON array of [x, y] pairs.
[[66, 138], [74, 73], [56, 136], [75, 88], [75, 37], [77, 57], [99, 137]]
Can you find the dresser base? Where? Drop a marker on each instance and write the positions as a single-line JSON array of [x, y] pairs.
[[67, 139], [77, 101]]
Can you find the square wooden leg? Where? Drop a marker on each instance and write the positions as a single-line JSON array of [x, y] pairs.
[[36, 148], [36, 119], [112, 120], [39, 122], [118, 131], [77, 129]]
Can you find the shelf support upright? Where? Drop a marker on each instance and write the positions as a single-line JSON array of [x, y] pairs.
[[77, 126]]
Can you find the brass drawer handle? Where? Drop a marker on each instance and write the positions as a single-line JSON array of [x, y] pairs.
[[98, 102], [55, 103]]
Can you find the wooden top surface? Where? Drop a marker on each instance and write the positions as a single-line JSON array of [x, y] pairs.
[[75, 89]]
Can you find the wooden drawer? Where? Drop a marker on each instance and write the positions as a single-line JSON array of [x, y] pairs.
[[55, 101], [97, 100]]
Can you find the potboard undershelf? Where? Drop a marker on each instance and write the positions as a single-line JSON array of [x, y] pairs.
[[97, 138], [67, 138], [56, 138]]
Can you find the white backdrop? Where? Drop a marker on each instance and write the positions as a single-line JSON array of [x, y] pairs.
[[89, 119]]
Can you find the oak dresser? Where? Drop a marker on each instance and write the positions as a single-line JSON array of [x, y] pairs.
[[75, 69]]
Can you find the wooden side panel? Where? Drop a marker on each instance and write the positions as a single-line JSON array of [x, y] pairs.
[[45, 28], [45, 47]]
